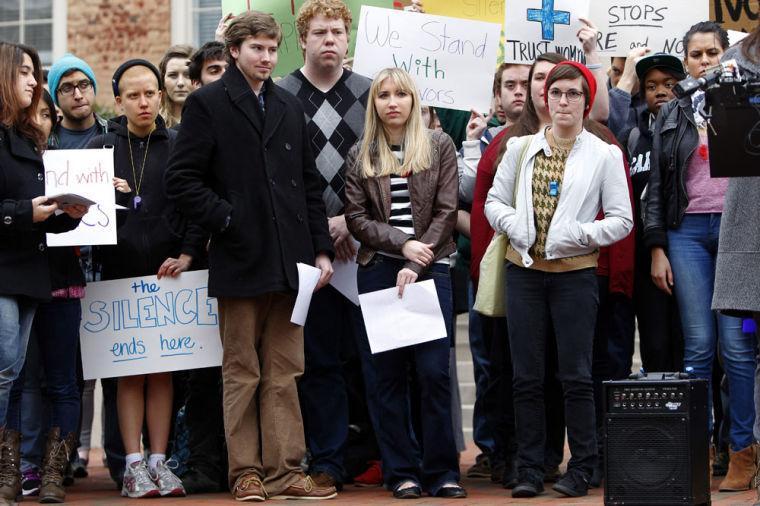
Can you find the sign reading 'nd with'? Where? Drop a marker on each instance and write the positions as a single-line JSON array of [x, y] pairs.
[[146, 325], [444, 56]]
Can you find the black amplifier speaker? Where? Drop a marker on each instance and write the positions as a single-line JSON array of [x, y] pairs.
[[656, 441]]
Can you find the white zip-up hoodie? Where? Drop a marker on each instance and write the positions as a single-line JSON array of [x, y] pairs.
[[594, 179]]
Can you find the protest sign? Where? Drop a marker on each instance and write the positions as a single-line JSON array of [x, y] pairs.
[[289, 54], [491, 11], [89, 173], [735, 37], [443, 55], [740, 15], [656, 24], [145, 325], [533, 27]]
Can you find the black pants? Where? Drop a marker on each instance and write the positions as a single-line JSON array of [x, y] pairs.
[[569, 302], [660, 337], [205, 423]]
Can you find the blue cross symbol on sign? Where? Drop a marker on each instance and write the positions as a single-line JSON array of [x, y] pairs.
[[548, 17]]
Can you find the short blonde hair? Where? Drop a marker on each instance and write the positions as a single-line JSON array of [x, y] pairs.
[[332, 9]]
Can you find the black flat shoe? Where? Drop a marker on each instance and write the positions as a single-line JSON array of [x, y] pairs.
[[451, 492], [413, 492]]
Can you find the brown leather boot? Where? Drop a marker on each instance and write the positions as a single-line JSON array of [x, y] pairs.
[[756, 483], [741, 470], [10, 460], [54, 462]]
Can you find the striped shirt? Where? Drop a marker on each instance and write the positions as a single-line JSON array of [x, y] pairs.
[[401, 202]]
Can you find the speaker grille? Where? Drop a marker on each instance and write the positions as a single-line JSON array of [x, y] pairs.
[[647, 459]]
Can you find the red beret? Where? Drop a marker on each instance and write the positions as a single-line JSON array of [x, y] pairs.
[[587, 75]]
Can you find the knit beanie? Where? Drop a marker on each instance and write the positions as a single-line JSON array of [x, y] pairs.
[[136, 62], [587, 76], [63, 65]]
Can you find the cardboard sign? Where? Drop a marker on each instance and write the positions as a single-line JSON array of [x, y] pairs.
[[656, 24], [740, 15], [145, 325], [290, 57], [533, 27], [89, 173], [444, 56]]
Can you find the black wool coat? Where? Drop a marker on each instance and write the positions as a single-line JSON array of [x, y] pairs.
[[24, 267], [232, 160]]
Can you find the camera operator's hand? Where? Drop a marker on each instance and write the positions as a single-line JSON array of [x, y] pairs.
[[662, 274]]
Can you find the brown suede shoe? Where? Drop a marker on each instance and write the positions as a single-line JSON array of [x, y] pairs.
[[741, 470], [305, 488], [248, 487], [325, 480]]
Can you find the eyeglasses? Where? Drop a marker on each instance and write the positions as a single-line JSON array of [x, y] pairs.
[[68, 88], [573, 96]]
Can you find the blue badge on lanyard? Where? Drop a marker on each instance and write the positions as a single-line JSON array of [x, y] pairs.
[[553, 188]]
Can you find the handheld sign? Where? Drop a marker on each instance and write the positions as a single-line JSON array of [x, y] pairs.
[[533, 27], [491, 11], [145, 325], [87, 173], [444, 56], [656, 24]]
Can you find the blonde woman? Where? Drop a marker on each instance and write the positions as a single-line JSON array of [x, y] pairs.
[[175, 74], [401, 193]]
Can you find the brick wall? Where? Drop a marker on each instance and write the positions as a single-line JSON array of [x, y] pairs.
[[106, 33]]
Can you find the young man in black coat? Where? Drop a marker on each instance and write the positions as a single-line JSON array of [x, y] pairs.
[[242, 168]]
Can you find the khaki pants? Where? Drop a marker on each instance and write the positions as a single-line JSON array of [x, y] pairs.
[[263, 359]]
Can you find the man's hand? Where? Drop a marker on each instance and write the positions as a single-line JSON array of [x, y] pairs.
[[418, 252], [405, 276], [172, 267], [341, 237], [324, 264], [629, 78], [415, 7], [477, 125], [41, 209], [662, 274], [121, 185], [75, 211]]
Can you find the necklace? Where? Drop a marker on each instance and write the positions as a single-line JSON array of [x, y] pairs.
[[137, 200]]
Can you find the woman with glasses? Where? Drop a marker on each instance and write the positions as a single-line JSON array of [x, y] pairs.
[[547, 193]]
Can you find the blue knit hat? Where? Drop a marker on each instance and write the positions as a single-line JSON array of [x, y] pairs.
[[64, 64]]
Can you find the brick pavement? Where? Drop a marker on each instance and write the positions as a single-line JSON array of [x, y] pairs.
[[99, 490]]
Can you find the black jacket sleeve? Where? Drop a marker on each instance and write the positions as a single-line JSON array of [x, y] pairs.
[[190, 168], [654, 225]]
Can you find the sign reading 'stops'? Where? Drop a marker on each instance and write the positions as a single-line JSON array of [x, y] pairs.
[[145, 325], [656, 24]]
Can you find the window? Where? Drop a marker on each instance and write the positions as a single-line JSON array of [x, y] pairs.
[[29, 22], [206, 15], [195, 22]]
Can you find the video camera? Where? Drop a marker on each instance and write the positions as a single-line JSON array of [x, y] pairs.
[[732, 111]]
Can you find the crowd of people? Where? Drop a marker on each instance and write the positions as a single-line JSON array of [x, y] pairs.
[[596, 183]]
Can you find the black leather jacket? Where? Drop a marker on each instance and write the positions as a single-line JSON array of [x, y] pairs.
[[675, 139]]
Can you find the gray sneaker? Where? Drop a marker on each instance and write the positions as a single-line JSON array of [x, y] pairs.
[[167, 482], [138, 483]]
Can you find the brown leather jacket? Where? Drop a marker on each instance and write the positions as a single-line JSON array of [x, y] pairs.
[[434, 193]]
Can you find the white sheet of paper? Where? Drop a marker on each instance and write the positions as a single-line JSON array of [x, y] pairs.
[[344, 276], [735, 36], [308, 277], [393, 323]]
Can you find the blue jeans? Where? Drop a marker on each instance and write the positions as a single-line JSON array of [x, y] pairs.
[[568, 301], [480, 348], [16, 315], [692, 251], [436, 462], [34, 412], [329, 340], [56, 326]]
